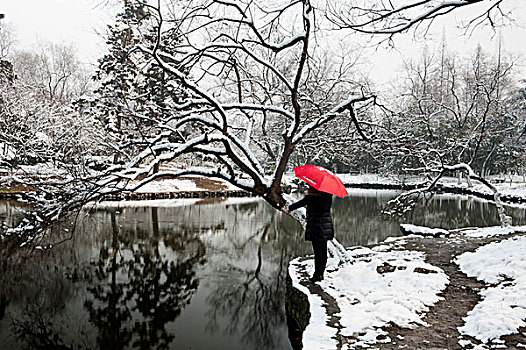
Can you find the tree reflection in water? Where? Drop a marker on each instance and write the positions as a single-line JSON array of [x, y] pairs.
[[138, 282], [139, 291], [253, 302]]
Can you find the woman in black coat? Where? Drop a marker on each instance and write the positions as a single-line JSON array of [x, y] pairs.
[[319, 226]]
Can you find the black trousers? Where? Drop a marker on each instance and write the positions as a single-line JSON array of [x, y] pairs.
[[320, 257]]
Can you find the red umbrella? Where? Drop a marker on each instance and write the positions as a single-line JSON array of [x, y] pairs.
[[321, 179]]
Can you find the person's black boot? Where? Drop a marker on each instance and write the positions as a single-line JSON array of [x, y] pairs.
[[316, 278]]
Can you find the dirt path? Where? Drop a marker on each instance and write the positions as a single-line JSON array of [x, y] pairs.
[[460, 296]]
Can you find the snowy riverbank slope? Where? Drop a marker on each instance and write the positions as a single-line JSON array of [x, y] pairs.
[[401, 294], [507, 185]]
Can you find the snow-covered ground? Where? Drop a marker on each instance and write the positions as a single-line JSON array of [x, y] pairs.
[[369, 300], [514, 185], [183, 184], [378, 179], [502, 265], [509, 185], [386, 285]]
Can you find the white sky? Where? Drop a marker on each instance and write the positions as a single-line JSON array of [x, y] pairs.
[[513, 37], [60, 21], [78, 21]]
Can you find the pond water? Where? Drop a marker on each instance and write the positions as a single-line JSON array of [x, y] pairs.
[[185, 274]]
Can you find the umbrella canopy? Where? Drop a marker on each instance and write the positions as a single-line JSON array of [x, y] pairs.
[[321, 179]]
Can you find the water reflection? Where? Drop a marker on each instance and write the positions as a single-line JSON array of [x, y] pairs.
[[184, 274], [249, 303], [242, 294], [449, 212], [137, 291], [358, 219]]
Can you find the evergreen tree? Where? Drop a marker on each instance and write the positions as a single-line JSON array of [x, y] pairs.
[[135, 94]]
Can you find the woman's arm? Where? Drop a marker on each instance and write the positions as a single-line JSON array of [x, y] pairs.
[[300, 203]]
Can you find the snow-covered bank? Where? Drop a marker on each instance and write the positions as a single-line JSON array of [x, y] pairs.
[[514, 190], [169, 203], [502, 265], [181, 187], [379, 287], [511, 188], [392, 284], [185, 184]]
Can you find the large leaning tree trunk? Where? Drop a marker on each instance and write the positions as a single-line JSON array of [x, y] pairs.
[[246, 68], [236, 80]]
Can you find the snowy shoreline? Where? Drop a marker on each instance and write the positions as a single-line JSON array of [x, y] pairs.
[[391, 287], [512, 190]]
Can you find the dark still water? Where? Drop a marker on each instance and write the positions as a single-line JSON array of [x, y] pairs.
[[184, 274]]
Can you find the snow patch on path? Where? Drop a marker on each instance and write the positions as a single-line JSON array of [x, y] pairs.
[[318, 334], [423, 231], [503, 308], [486, 232]]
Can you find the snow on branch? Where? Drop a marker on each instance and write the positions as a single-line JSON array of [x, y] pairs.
[[397, 17], [405, 201], [333, 113], [276, 47], [262, 108], [165, 152], [188, 83]]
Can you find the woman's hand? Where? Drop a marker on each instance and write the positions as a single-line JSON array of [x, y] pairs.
[[286, 211]]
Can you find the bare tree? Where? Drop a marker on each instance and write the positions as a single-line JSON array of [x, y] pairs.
[[393, 17], [244, 66], [54, 71], [456, 116], [35, 131], [7, 38], [38, 123], [460, 110]]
